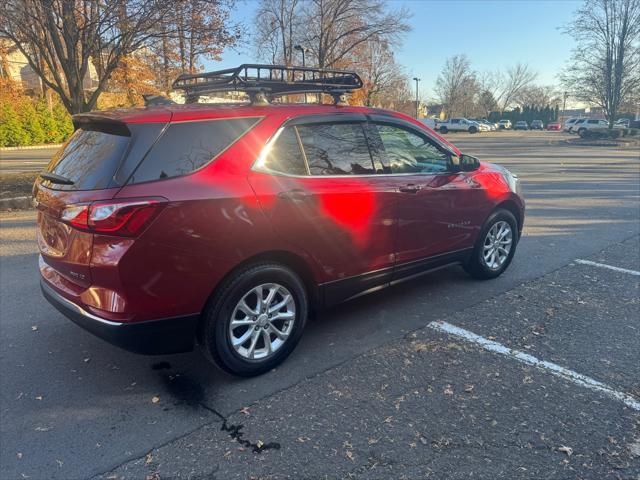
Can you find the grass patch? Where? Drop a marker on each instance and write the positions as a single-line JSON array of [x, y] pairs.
[[16, 184]]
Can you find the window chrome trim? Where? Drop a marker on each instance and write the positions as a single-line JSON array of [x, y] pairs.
[[324, 118]]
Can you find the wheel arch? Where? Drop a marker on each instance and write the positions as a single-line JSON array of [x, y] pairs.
[[288, 259], [511, 206]]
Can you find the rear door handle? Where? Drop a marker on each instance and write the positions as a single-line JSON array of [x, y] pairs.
[[295, 195], [410, 188]]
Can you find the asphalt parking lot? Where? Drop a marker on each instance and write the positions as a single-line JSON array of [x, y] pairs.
[[533, 375]]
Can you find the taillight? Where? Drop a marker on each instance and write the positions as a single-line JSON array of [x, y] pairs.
[[123, 218]]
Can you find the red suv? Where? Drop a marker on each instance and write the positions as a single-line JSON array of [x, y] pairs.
[[225, 225]]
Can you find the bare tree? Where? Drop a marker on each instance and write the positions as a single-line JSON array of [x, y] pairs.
[[335, 28], [456, 86], [59, 38], [277, 30], [517, 78], [384, 80], [604, 69], [538, 96]]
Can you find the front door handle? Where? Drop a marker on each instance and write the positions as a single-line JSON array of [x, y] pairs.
[[295, 195], [410, 188]]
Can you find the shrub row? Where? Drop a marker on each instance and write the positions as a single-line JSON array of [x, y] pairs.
[[29, 122], [605, 133]]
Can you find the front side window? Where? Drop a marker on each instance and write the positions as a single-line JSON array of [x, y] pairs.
[[187, 146], [336, 149], [285, 155], [407, 152]]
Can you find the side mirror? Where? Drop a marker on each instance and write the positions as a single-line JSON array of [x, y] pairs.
[[469, 163]]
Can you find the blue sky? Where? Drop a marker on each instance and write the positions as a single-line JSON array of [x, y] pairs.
[[492, 33]]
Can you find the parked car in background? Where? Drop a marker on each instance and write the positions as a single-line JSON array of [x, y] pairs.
[[504, 124], [521, 125], [487, 123], [537, 125], [569, 123], [591, 124], [461, 124], [554, 126], [623, 122], [429, 122], [166, 227], [573, 128]]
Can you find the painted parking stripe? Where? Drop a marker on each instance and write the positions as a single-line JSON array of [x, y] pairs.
[[604, 265], [548, 367]]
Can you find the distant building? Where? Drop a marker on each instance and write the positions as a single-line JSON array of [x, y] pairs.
[[14, 65]]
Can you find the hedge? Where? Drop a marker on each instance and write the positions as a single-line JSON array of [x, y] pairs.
[[605, 133], [30, 122]]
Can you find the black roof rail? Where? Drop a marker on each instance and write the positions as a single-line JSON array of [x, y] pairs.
[[263, 82]]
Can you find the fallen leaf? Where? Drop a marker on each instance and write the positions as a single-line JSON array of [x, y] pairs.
[[527, 379], [567, 450], [350, 455], [34, 328], [39, 397], [148, 459], [468, 388], [60, 463], [423, 440], [155, 399], [244, 410], [448, 390], [373, 441], [87, 360], [19, 455], [259, 443], [388, 420]]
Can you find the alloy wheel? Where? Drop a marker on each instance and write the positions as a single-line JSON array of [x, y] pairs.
[[497, 245], [262, 321]]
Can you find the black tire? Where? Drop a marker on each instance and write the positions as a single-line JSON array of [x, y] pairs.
[[444, 129], [581, 131], [475, 265], [473, 130], [214, 329]]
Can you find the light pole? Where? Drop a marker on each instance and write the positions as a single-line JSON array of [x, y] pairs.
[[416, 80], [564, 106], [302, 49]]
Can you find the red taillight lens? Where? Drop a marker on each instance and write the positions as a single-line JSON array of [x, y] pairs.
[[123, 218]]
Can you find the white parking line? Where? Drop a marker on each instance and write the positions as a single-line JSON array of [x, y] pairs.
[[548, 367], [604, 265]]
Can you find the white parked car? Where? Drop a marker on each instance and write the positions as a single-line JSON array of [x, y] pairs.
[[429, 122], [461, 125], [504, 124], [591, 124], [569, 123]]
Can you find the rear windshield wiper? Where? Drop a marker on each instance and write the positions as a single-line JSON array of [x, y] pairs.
[[55, 178]]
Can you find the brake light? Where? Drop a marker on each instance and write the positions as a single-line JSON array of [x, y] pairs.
[[123, 218]]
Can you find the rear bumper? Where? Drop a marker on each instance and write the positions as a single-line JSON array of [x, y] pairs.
[[152, 337]]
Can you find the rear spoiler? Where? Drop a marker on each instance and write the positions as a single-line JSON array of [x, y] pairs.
[[100, 122]]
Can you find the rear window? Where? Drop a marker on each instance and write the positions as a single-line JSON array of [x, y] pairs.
[[285, 155], [89, 158], [187, 146]]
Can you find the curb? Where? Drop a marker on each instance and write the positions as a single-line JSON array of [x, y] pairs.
[[16, 203], [31, 147]]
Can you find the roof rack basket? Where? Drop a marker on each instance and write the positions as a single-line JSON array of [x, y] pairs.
[[263, 82]]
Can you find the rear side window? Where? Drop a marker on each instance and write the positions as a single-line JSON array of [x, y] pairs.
[[187, 146], [285, 155], [336, 149], [89, 158]]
